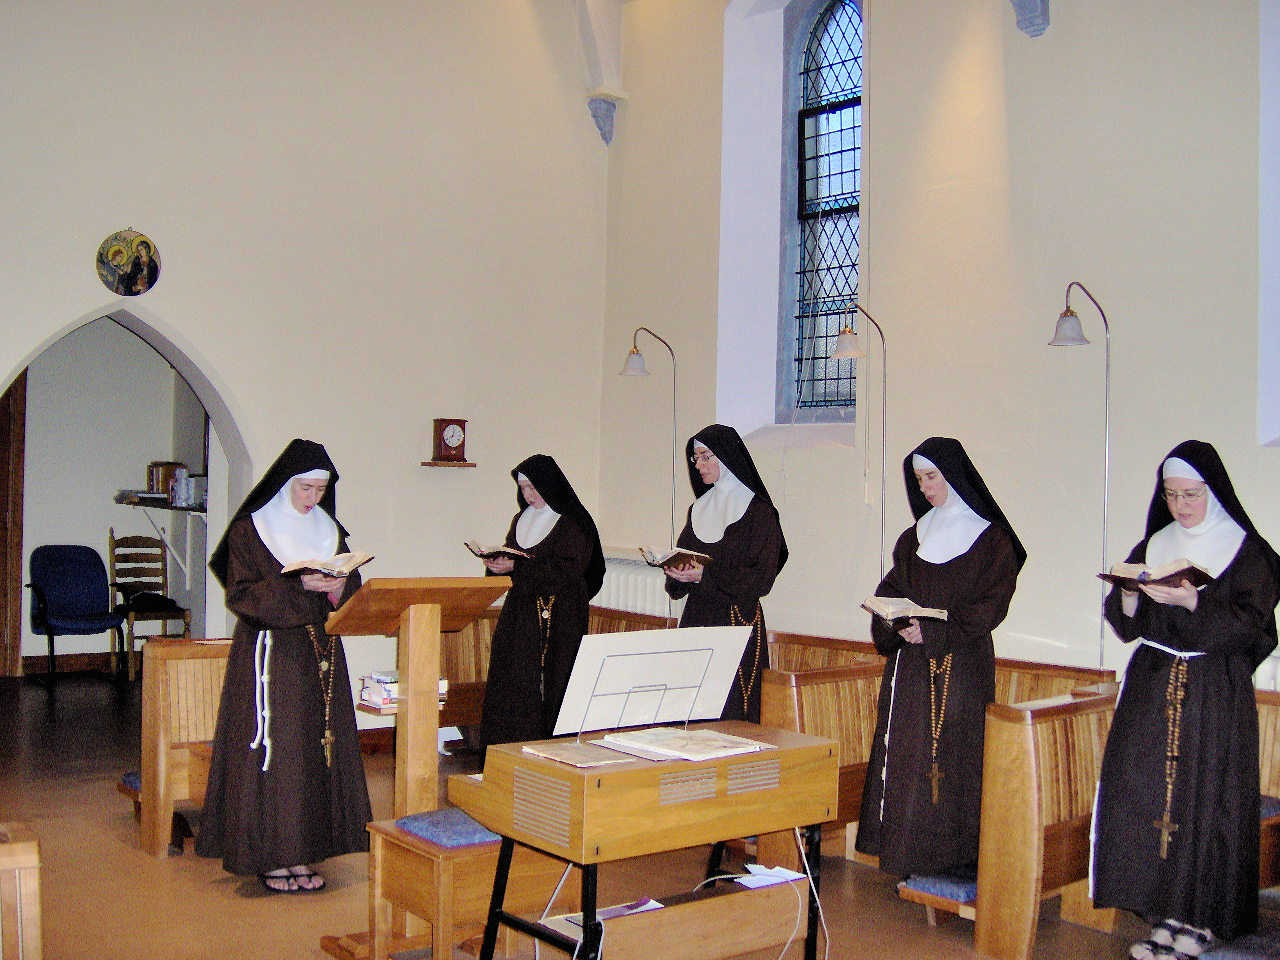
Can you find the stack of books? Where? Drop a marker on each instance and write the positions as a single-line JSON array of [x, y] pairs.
[[381, 688], [380, 691]]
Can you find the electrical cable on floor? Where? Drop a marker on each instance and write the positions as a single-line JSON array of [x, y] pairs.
[[822, 917], [537, 944], [800, 904]]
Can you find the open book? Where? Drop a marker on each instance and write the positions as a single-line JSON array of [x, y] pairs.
[[898, 608], [338, 566], [575, 754], [1129, 576], [677, 743], [673, 558], [491, 553]]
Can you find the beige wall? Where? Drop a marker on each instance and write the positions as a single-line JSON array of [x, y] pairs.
[[369, 221], [1119, 149], [366, 219]]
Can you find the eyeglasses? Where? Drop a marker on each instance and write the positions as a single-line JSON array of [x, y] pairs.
[[1186, 496], [698, 458]]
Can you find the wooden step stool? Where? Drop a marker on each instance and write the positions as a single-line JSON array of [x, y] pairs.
[[19, 893], [439, 867]]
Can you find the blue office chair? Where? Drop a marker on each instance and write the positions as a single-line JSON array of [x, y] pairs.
[[71, 596]]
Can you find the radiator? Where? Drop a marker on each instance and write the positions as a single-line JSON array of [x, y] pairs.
[[636, 587]]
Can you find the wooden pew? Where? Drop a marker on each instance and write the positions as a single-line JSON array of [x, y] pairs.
[[1269, 771], [1040, 772], [181, 686], [464, 662], [20, 936], [828, 687]]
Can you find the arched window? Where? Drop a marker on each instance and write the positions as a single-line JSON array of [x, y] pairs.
[[827, 215]]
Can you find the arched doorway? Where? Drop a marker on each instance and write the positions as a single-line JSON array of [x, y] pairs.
[[82, 382]]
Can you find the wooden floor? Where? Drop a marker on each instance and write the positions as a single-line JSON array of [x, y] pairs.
[[61, 754]]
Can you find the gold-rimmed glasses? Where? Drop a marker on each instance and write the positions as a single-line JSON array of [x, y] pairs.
[[703, 457], [1189, 497]]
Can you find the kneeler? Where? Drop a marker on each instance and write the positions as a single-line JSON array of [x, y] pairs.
[[953, 892]]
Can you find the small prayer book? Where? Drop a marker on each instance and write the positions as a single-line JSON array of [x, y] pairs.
[[338, 566], [899, 608], [678, 557], [492, 553], [1130, 576]]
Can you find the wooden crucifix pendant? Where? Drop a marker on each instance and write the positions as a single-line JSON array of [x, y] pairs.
[[328, 740], [1166, 828], [935, 775]]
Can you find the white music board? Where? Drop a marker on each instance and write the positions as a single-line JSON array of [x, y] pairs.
[[642, 677]]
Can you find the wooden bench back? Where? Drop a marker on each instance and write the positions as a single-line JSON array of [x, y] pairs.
[[1024, 681], [464, 655], [1040, 771], [1017, 681], [182, 684], [828, 687], [181, 688], [1269, 740]]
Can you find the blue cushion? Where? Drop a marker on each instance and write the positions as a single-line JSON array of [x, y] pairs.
[[1270, 806], [1255, 946], [132, 780], [449, 827], [958, 885]]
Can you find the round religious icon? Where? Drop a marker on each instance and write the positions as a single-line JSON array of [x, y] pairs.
[[128, 263]]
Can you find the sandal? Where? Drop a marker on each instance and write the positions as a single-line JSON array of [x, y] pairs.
[[1190, 942], [1150, 950], [279, 882], [306, 879], [1163, 932]]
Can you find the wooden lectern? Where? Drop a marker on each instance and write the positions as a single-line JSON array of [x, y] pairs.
[[416, 611]]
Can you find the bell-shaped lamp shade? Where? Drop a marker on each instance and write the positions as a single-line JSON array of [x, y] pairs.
[[1068, 332], [633, 366], [848, 346]]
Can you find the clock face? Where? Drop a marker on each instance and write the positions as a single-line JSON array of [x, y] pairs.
[[452, 435]]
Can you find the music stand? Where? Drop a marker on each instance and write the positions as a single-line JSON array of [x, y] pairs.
[[645, 677]]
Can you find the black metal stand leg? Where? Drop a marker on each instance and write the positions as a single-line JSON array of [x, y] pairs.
[[716, 860], [813, 857], [591, 928], [499, 895]]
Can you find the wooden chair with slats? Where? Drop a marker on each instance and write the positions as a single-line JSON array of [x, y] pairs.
[[138, 568]]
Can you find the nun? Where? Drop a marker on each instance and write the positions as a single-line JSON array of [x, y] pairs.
[[734, 522], [559, 569], [923, 790], [286, 785], [1176, 822]]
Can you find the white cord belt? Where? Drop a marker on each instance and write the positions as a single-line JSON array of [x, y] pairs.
[[262, 695], [1181, 654]]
